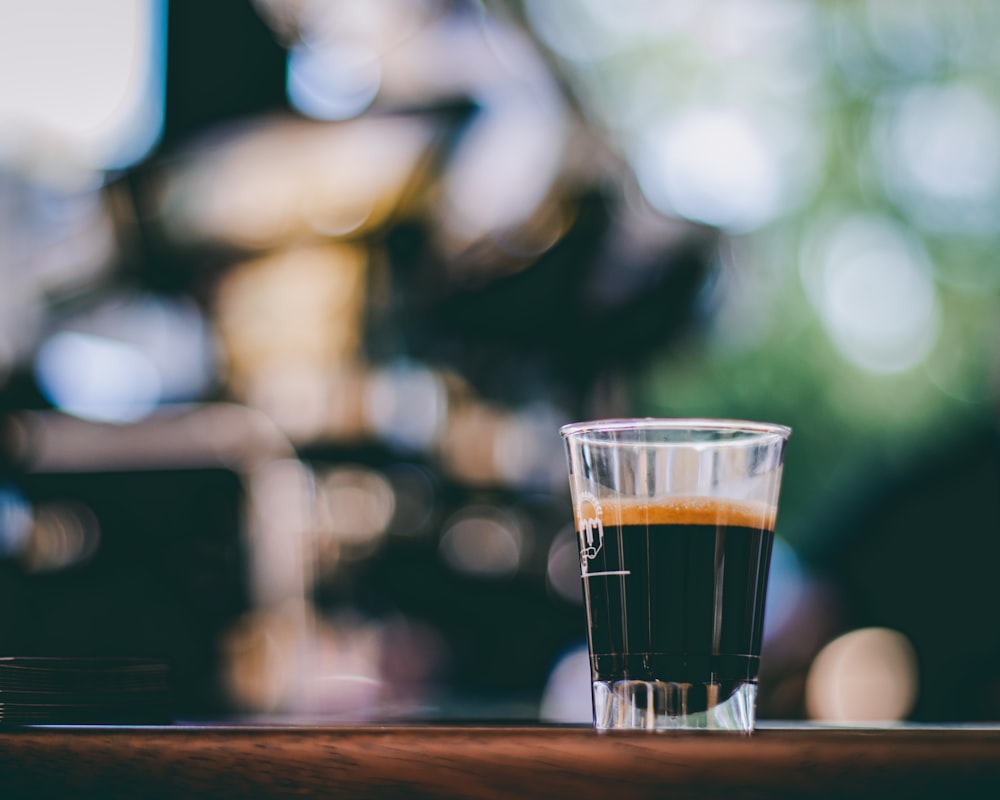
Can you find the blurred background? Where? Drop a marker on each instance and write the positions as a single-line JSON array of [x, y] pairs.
[[294, 296]]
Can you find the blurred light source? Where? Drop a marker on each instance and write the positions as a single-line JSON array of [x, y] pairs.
[[7, 355], [730, 147], [345, 665], [97, 378], [871, 282], [566, 697], [295, 311], [295, 396], [287, 659], [57, 229], [257, 653], [939, 150], [578, 31], [484, 541], [332, 80], [120, 360], [865, 676], [16, 519], [527, 450], [501, 170], [504, 167], [63, 535], [485, 445], [594, 31], [286, 180], [335, 63], [714, 166], [468, 442], [280, 530], [57, 238], [82, 78], [406, 404], [356, 505]]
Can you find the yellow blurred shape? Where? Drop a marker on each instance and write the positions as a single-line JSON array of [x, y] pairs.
[[469, 443], [64, 534], [289, 660], [355, 506], [284, 180], [484, 541], [291, 311]]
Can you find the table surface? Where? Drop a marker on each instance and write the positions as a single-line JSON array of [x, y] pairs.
[[450, 761]]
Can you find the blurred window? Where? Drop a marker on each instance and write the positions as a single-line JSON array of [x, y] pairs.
[[82, 77]]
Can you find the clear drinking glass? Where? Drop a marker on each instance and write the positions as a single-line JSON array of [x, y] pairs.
[[676, 521]]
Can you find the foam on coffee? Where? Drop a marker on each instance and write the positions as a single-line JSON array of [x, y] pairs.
[[711, 511]]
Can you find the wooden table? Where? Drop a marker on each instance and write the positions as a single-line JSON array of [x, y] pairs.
[[495, 762]]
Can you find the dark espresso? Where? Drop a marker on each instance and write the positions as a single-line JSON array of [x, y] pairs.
[[675, 592]]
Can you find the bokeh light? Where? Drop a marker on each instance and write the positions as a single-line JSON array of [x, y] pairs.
[[83, 81], [122, 359], [566, 698], [715, 167], [484, 541], [938, 147], [872, 283], [332, 81], [290, 180], [16, 520], [63, 535], [98, 378], [355, 506], [407, 405], [867, 676]]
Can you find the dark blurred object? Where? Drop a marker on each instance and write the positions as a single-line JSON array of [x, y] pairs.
[[127, 549], [624, 280], [161, 573], [223, 64], [74, 691], [917, 553]]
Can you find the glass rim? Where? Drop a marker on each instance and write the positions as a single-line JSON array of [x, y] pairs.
[[704, 424]]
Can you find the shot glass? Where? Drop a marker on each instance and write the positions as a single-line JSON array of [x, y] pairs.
[[676, 522]]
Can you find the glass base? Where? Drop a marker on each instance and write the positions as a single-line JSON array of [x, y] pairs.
[[664, 706]]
